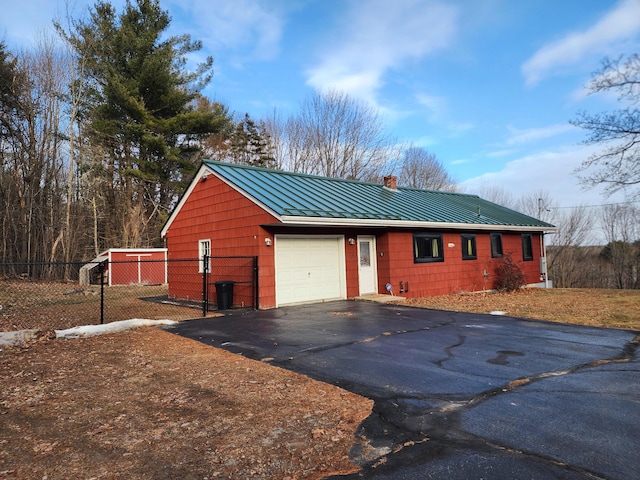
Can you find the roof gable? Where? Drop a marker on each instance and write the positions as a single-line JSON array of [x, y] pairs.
[[301, 198]]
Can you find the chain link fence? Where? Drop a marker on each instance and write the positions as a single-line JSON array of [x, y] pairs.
[[58, 295]]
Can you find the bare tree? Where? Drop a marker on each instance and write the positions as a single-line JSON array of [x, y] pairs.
[[33, 165], [567, 257], [274, 125], [538, 204], [74, 94], [618, 165], [422, 169], [620, 224], [497, 194], [333, 135]]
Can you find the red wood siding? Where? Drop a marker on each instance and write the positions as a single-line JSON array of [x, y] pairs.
[[145, 267], [352, 261], [454, 274], [216, 212]]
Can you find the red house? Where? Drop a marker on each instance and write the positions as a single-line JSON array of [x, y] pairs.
[[319, 238]]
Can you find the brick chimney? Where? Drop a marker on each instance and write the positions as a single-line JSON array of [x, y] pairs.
[[391, 182]]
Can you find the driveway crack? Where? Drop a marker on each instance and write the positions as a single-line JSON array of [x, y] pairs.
[[449, 350], [627, 353], [410, 422], [333, 346]]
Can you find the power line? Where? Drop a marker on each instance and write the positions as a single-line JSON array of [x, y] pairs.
[[594, 206]]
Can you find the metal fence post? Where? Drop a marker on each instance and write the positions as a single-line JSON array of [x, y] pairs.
[[205, 290], [101, 269]]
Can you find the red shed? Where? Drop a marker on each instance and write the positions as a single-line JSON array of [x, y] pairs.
[[130, 266], [319, 238]]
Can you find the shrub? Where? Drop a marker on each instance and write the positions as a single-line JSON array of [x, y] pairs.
[[509, 276]]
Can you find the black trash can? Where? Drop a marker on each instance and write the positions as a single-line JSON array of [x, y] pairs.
[[224, 294]]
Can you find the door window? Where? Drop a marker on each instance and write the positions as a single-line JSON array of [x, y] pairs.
[[365, 254]]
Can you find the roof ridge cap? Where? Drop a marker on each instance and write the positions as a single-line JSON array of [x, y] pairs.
[[285, 172]]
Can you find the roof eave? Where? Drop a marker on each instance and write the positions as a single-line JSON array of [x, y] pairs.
[[343, 222]]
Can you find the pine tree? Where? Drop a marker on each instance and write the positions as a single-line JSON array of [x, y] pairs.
[[142, 113], [250, 144]]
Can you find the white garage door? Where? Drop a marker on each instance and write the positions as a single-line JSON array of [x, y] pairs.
[[309, 269]]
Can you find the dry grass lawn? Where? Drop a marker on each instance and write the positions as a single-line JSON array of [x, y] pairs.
[[147, 404], [598, 308]]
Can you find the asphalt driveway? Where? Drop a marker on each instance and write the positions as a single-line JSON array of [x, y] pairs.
[[458, 395]]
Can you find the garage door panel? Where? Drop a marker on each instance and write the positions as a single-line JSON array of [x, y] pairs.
[[308, 269]]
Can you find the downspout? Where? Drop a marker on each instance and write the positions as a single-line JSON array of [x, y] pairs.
[[543, 247]]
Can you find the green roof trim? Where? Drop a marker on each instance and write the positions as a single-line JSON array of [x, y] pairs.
[[296, 197]]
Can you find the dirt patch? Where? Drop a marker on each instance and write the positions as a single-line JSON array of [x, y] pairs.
[[148, 404], [594, 307]]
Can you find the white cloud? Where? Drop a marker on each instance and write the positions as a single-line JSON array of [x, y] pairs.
[[551, 170], [437, 114], [456, 129], [379, 35], [500, 153], [241, 24], [461, 161], [22, 23], [618, 25], [436, 105], [425, 141], [519, 136], [237, 26]]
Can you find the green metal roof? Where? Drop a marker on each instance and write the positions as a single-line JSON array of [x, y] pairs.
[[296, 197]]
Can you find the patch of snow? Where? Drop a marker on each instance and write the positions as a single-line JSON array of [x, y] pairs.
[[497, 312], [91, 330], [17, 337]]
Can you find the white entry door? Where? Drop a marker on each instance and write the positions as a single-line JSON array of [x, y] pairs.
[[367, 268]]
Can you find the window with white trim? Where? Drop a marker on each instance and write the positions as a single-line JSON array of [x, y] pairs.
[[204, 249]]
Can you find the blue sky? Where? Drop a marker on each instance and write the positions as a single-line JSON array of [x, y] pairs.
[[487, 85]]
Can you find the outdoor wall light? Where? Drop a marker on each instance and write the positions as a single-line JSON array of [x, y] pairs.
[[267, 242], [352, 241]]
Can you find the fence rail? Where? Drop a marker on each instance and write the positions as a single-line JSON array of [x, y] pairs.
[[64, 294]]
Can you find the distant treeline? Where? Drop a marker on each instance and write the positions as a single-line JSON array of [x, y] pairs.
[[615, 265]]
